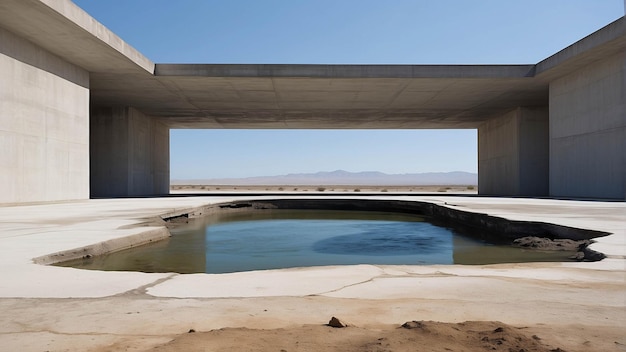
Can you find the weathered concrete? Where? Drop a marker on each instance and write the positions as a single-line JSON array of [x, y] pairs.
[[513, 154], [129, 153], [44, 124], [341, 96], [36, 231], [64, 29], [588, 131], [54, 308]]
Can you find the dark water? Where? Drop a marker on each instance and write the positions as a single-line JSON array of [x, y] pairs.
[[273, 239]]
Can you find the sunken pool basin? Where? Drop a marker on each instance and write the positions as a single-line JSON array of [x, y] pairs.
[[272, 235]]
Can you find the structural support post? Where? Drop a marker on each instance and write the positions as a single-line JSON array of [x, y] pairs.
[[513, 154], [129, 153], [588, 131]]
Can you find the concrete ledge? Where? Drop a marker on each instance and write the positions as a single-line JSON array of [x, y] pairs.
[[35, 231], [344, 71], [63, 28], [491, 224], [599, 45], [498, 226], [101, 248]]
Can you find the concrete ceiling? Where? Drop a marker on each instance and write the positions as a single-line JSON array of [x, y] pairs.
[[324, 96], [294, 96]]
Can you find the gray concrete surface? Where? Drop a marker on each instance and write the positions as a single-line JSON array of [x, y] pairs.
[[342, 96], [66, 309], [62, 28], [35, 231], [129, 153], [588, 131], [44, 124], [513, 153]]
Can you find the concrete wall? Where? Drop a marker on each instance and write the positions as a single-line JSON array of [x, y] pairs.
[[44, 125], [513, 154], [588, 131], [129, 153]]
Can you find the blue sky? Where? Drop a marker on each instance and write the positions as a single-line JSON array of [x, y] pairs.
[[342, 32]]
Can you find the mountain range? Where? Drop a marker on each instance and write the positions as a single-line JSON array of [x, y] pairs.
[[341, 177]]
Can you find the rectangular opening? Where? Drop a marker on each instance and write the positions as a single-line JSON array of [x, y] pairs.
[[228, 160]]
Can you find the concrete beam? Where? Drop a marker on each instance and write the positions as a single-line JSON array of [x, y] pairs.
[[339, 96]]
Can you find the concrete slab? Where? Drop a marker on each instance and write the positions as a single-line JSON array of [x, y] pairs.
[[54, 308], [36, 231]]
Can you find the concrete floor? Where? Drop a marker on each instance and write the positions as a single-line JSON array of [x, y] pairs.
[[54, 308]]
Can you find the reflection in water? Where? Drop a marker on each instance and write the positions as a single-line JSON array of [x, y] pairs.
[[385, 238], [272, 239]]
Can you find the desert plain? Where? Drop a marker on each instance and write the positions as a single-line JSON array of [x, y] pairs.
[[306, 189]]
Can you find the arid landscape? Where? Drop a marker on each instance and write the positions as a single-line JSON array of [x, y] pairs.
[[338, 181], [183, 188]]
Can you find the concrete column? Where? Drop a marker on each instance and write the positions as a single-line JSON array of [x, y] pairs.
[[44, 125], [513, 154], [588, 131], [129, 153]]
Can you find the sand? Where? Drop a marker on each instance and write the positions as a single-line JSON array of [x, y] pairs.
[[413, 336], [136, 322], [426, 336]]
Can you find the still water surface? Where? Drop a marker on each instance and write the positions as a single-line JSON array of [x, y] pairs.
[[272, 239]]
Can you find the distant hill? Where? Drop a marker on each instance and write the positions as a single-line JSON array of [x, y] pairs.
[[341, 177]]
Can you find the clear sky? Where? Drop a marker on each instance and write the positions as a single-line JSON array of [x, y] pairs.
[[342, 32]]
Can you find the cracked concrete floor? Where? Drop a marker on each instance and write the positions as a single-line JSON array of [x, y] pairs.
[[136, 320], [63, 309]]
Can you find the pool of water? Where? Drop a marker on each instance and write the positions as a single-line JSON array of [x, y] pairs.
[[272, 239]]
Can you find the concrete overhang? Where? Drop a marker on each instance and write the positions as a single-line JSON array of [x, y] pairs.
[[64, 29], [608, 41], [294, 96], [329, 96], [323, 96]]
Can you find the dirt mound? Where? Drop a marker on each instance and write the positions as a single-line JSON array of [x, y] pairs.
[[425, 336]]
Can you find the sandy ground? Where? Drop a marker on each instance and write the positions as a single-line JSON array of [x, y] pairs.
[[411, 336], [547, 314], [137, 322], [506, 307]]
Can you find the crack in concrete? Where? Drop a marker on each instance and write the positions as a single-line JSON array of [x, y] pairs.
[[343, 287], [383, 276], [143, 290], [386, 275]]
